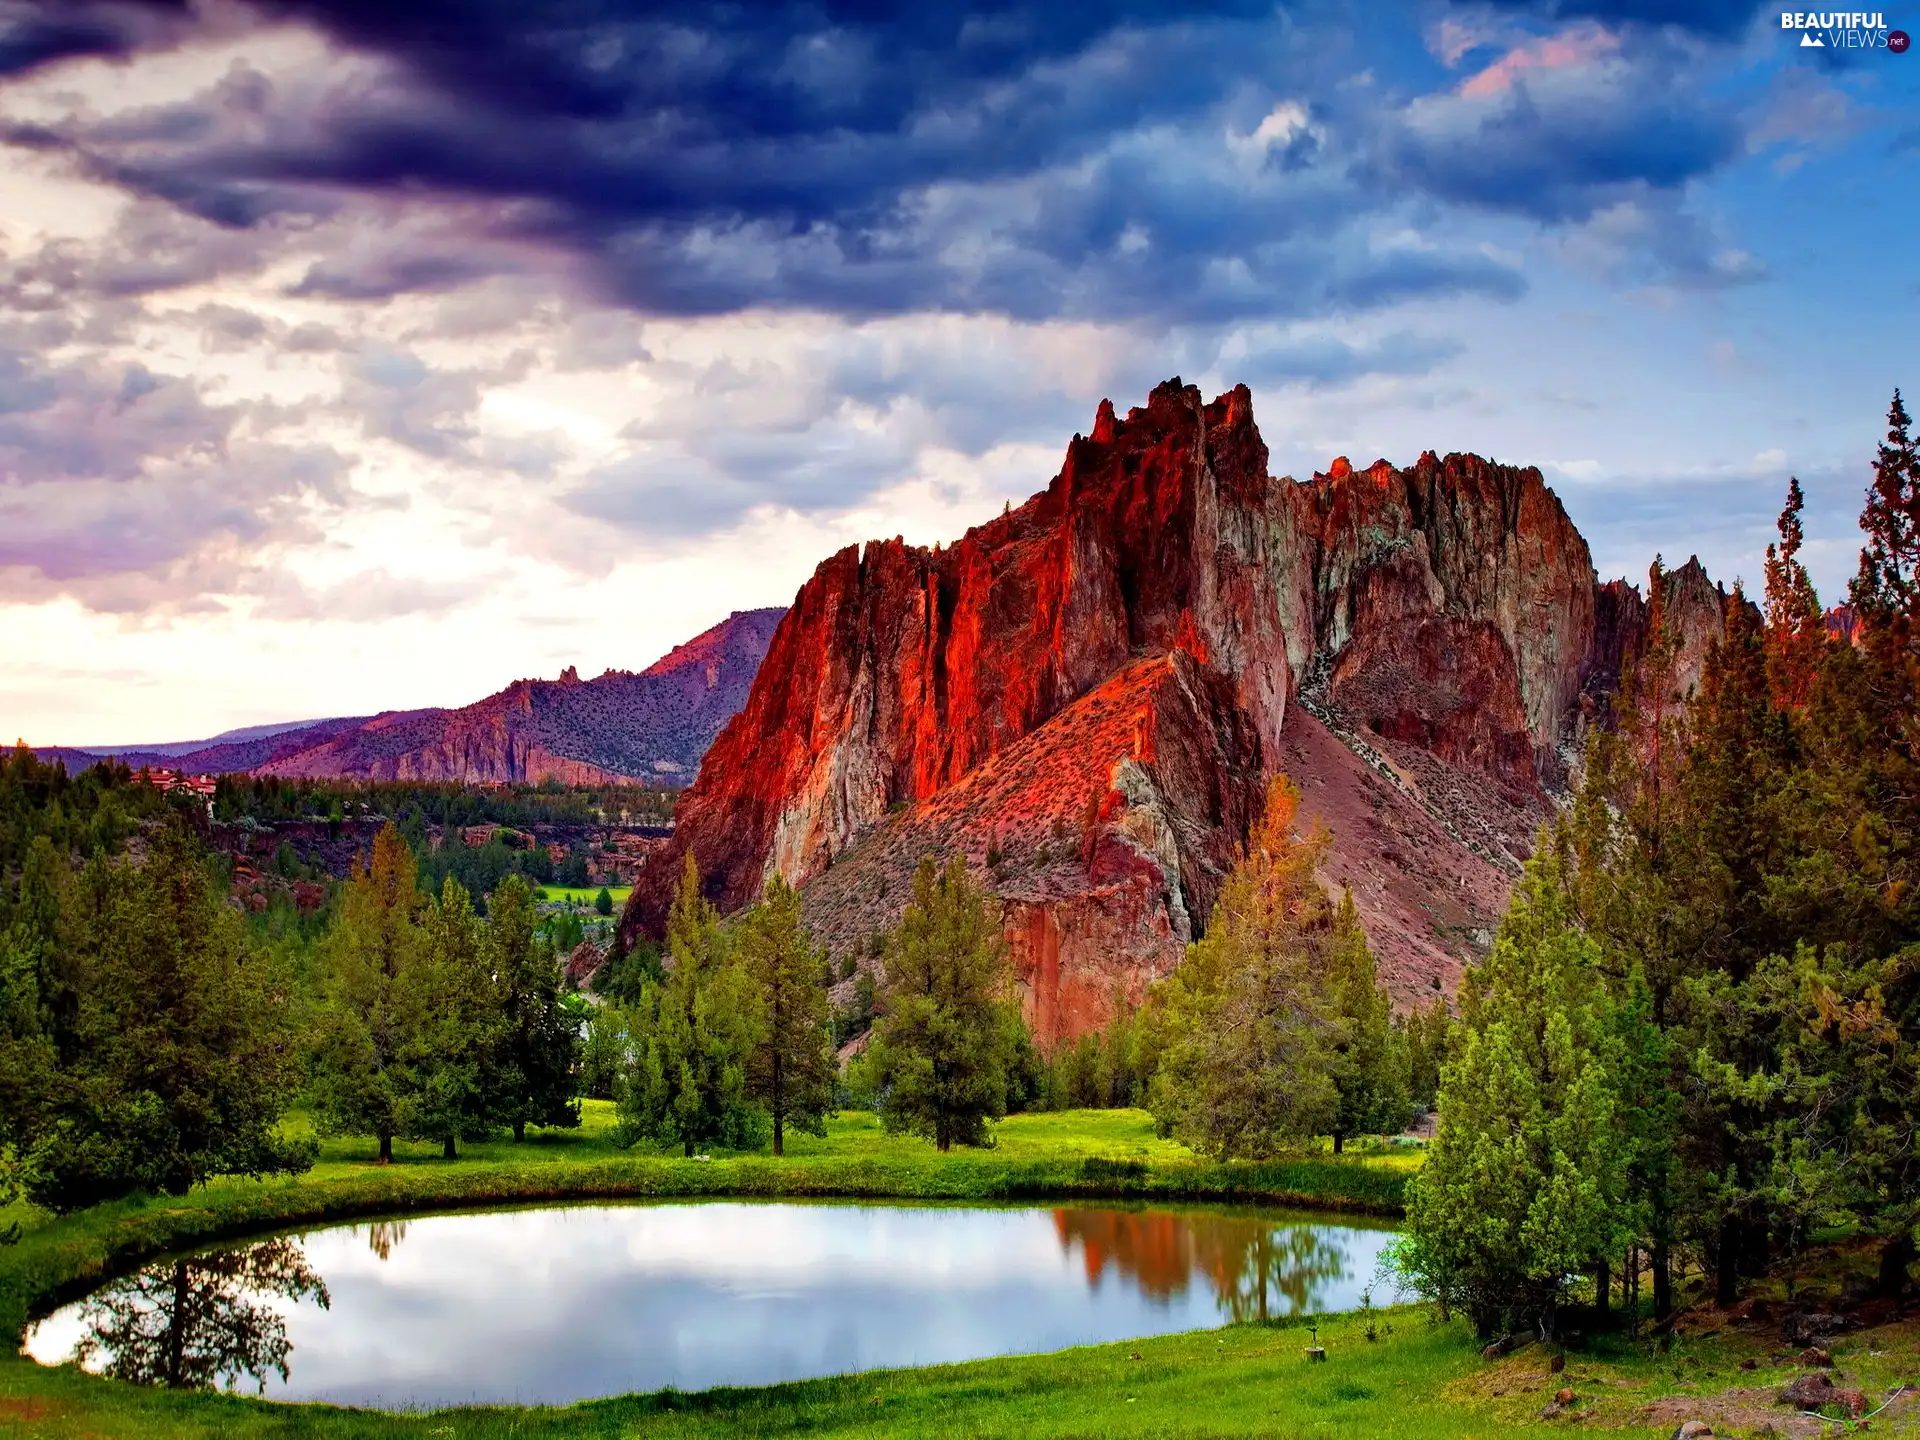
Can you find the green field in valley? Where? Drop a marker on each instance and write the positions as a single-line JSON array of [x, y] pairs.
[[1419, 1378], [582, 894]]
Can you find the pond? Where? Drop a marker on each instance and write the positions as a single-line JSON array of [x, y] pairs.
[[546, 1306]]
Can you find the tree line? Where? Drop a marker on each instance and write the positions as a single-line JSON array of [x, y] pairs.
[[1697, 1038]]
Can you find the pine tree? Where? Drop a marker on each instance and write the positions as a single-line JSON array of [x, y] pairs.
[[692, 1036], [1425, 1035], [1796, 634], [944, 1041], [791, 1071], [537, 1071], [1246, 1047], [34, 998], [1369, 1056], [1525, 1180], [606, 1054], [1887, 587], [182, 1056], [359, 1074], [454, 1028]]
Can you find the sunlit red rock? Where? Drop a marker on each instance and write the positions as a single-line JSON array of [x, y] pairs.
[[1093, 689]]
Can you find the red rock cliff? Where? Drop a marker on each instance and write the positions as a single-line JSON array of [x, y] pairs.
[[1090, 691]]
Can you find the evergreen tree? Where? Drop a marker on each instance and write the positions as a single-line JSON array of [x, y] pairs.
[[944, 1040], [1425, 1035], [536, 1074], [453, 1021], [1246, 1034], [606, 1054], [360, 1081], [692, 1037], [1525, 1180], [1369, 1055], [791, 1072], [35, 1007], [603, 902], [1648, 1107], [181, 1056], [1796, 631], [1886, 590]]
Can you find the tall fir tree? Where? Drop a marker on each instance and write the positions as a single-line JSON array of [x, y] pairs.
[[1369, 1055], [182, 1054], [692, 1037], [1796, 628], [537, 1072], [454, 1026], [360, 1078], [791, 1070], [944, 1042], [1247, 1034], [36, 1006]]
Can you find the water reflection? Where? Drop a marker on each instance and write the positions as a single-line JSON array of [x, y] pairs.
[[1258, 1270], [562, 1304], [200, 1322]]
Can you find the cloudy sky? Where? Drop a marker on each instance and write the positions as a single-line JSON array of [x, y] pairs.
[[359, 355]]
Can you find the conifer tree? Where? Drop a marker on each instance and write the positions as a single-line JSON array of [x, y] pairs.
[[536, 1074], [1369, 1056], [453, 1021], [1246, 1058], [34, 998], [1887, 588], [360, 1080], [791, 1071], [181, 1056], [945, 1037], [1425, 1034], [1524, 1182], [692, 1036], [1796, 634]]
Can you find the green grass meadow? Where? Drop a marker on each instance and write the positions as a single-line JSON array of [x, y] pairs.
[[1418, 1378], [582, 894]]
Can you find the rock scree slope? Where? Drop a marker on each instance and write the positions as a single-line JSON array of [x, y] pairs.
[[1086, 695]]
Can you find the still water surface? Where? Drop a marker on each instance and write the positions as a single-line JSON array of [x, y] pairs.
[[548, 1306]]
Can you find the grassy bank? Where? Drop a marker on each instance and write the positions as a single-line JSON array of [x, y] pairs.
[[1078, 1155], [1417, 1380], [1245, 1380]]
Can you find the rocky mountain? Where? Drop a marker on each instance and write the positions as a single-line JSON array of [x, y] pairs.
[[654, 725], [1086, 696]]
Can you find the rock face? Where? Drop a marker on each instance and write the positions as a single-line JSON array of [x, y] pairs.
[[1695, 616], [1086, 695]]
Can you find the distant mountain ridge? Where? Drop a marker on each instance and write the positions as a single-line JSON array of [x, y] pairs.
[[652, 725], [225, 737]]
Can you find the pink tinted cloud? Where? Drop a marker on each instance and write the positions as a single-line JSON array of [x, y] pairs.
[[1579, 46]]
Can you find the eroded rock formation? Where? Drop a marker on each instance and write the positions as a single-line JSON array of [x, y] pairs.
[[1086, 695]]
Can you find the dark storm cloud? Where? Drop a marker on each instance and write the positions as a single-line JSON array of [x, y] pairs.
[[37, 32], [1033, 161], [1018, 158]]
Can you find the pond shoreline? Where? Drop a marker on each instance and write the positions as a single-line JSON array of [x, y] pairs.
[[509, 1305], [67, 1258], [1073, 1158]]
